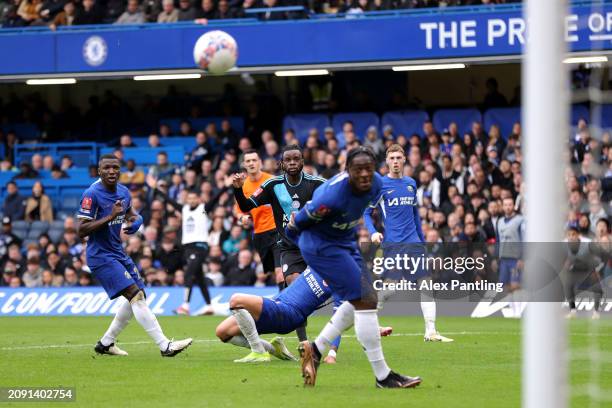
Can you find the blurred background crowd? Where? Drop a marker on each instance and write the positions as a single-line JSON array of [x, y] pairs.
[[54, 13]]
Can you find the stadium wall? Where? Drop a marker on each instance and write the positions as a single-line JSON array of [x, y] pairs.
[[396, 37], [93, 301]]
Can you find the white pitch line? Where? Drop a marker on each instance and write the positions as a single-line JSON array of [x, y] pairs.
[[213, 341]]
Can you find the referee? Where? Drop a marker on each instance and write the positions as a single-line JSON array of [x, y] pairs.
[[265, 236]]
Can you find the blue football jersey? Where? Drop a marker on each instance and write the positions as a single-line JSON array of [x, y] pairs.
[[97, 202], [399, 210], [306, 294], [335, 210]]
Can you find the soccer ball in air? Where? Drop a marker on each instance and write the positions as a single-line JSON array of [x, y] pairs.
[[215, 52]]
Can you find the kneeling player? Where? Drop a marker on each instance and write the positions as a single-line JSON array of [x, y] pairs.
[[254, 315], [282, 314], [105, 206]]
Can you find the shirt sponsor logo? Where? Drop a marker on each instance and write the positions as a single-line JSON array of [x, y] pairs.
[[401, 201]]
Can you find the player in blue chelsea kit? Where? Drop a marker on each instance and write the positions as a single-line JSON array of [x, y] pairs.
[[325, 232], [105, 208], [398, 208], [254, 315]]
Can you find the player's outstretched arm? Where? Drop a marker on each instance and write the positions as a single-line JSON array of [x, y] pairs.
[[259, 197], [209, 206], [86, 226]]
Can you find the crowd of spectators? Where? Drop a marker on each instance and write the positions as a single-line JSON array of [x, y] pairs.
[[53, 13], [462, 180]]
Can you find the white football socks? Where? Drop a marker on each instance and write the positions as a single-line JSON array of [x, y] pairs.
[[241, 341], [429, 315], [342, 319], [246, 323], [122, 318], [149, 323], [366, 328], [383, 296]]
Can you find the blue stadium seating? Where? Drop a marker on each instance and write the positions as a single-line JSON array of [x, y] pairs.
[[37, 228], [24, 131], [148, 155], [580, 112], [406, 122], [55, 235], [606, 116], [302, 123], [361, 122], [505, 118], [82, 153], [188, 142], [70, 203], [20, 228], [58, 190], [200, 123], [462, 117]]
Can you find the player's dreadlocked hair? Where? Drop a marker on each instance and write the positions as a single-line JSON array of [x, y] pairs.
[[361, 150], [291, 147]]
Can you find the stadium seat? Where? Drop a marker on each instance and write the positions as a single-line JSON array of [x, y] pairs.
[[198, 124], [406, 122], [55, 235], [20, 228], [505, 118], [20, 224], [37, 228], [606, 116], [188, 142], [41, 226], [148, 155], [302, 123], [78, 173], [580, 112], [57, 224], [82, 153], [361, 122], [24, 131], [462, 117], [62, 215], [70, 203]]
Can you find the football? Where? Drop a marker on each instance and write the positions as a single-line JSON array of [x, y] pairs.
[[215, 52]]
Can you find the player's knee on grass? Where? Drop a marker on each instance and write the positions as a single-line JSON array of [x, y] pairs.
[[221, 331]]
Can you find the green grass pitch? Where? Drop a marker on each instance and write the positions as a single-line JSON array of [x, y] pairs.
[[482, 368]]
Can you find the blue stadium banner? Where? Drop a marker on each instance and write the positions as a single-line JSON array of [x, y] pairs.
[[393, 37], [93, 301]]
